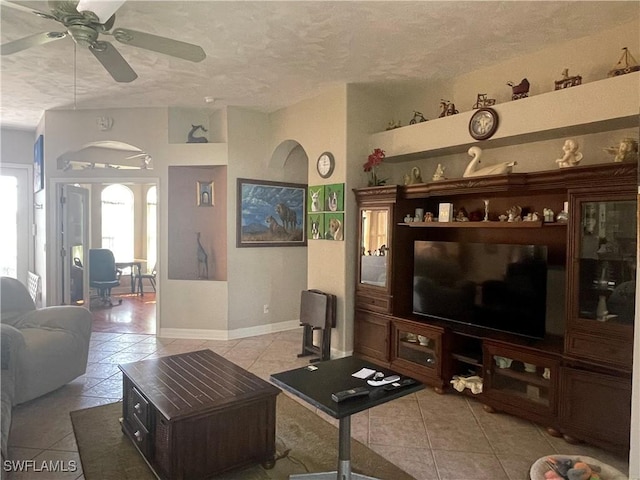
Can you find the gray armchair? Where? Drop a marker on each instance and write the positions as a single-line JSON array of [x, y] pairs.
[[49, 346]]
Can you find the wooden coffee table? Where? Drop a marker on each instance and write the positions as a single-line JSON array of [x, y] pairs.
[[195, 415]]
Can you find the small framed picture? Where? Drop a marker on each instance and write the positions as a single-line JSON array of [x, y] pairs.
[[38, 164], [334, 197], [445, 212], [334, 226], [315, 224], [205, 194]]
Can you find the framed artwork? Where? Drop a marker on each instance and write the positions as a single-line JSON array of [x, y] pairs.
[[334, 197], [315, 226], [315, 201], [334, 226], [271, 214], [38, 164], [205, 194]]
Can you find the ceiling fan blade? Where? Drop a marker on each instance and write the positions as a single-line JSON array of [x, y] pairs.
[[103, 9], [113, 62], [22, 8], [30, 41], [167, 46]]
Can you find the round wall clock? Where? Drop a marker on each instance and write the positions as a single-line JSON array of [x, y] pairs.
[[483, 123], [325, 164]]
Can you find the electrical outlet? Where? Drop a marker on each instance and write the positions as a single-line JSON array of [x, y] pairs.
[[265, 308]]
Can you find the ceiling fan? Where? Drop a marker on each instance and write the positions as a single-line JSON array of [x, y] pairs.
[[85, 21]]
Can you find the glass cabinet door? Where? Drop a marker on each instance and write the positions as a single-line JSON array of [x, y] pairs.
[[374, 246], [526, 379], [606, 262], [416, 348]]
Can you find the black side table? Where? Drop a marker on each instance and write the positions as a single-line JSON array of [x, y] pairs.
[[315, 384]]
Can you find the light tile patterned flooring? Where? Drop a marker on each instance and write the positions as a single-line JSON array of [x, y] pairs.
[[431, 436]]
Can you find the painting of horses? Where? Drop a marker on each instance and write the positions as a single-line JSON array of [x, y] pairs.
[[271, 214]]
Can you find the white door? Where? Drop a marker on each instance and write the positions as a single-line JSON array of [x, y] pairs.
[[74, 212], [15, 218]]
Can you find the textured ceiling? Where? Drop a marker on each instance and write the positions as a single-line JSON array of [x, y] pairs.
[[267, 55]]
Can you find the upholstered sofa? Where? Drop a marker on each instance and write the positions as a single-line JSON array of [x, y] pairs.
[[42, 349]]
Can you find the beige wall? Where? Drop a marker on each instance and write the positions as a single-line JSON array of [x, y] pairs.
[[318, 125]]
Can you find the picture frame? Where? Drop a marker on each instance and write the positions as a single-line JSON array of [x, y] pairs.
[[38, 164], [334, 197], [315, 226], [315, 199], [270, 214], [205, 194], [334, 226]]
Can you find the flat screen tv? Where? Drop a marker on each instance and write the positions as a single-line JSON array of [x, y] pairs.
[[495, 286]]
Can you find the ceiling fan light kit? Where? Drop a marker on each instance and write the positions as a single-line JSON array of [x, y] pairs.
[[85, 21]]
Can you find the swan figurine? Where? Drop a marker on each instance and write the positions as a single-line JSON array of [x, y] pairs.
[[473, 171]]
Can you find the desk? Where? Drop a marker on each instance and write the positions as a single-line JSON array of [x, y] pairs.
[[137, 263], [316, 387]]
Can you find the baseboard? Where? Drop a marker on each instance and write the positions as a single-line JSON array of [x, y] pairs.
[[200, 334]]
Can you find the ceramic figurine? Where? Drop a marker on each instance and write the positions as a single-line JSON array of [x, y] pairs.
[[519, 91], [472, 169], [439, 173], [447, 108], [513, 214], [571, 156], [626, 151]]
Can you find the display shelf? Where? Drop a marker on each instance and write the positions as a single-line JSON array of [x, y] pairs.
[[514, 391], [417, 346], [604, 105], [476, 362], [475, 224], [526, 377]]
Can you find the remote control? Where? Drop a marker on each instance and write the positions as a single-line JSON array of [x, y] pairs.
[[384, 381], [405, 382], [351, 393]]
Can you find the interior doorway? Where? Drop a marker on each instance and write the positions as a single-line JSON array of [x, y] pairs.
[[134, 300]]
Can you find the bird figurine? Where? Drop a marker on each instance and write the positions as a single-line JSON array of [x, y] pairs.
[[472, 169]]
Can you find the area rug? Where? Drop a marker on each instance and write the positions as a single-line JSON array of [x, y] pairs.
[[304, 443]]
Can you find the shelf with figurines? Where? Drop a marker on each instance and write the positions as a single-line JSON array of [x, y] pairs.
[[607, 104]]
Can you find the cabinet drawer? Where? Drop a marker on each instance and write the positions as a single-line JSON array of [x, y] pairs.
[[141, 436], [612, 351], [139, 407], [376, 304]]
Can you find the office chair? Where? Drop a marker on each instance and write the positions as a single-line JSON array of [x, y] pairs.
[[103, 274], [151, 276]]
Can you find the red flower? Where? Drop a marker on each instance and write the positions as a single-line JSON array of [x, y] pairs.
[[374, 159]]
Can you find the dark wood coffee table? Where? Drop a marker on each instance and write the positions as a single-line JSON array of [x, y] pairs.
[[196, 415], [315, 384]]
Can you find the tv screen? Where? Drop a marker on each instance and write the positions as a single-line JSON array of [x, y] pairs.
[[496, 286]]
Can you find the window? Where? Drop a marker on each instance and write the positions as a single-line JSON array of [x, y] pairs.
[[117, 221], [152, 208]]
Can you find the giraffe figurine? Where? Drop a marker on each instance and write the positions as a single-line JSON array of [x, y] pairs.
[[203, 264]]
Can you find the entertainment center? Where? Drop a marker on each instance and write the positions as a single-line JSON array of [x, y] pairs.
[[575, 378]]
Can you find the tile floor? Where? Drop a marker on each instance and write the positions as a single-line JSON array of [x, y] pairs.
[[431, 436]]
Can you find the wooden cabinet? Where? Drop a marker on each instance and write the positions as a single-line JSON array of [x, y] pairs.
[[595, 407], [376, 212], [602, 275], [371, 336], [601, 268], [571, 379]]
